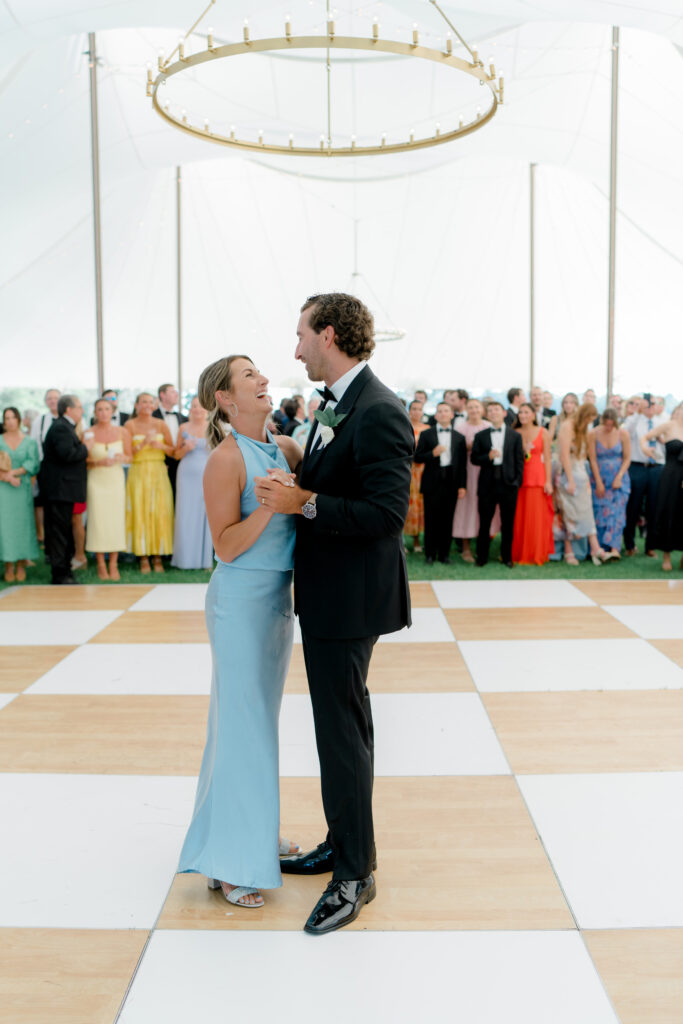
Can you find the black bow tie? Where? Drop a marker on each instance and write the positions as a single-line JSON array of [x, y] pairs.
[[327, 395]]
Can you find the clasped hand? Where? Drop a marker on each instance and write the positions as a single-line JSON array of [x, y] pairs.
[[279, 493]]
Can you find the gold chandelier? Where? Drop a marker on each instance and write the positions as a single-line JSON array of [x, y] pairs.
[[179, 61]]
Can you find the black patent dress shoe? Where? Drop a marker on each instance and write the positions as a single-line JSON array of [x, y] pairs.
[[315, 862], [340, 904], [429, 561]]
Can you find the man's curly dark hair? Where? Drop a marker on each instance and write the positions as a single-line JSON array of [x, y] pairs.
[[353, 323]]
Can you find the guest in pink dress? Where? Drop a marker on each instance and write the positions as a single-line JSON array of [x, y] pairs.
[[466, 519]]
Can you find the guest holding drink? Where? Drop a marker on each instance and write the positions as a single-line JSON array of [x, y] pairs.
[[192, 543], [109, 447], [609, 454], [415, 520], [532, 540], [19, 461], [668, 520], [574, 490], [149, 498], [466, 518]]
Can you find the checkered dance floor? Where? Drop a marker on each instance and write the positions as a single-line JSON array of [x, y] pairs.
[[528, 813]]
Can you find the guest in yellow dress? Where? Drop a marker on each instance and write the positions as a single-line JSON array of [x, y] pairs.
[[108, 447], [149, 498]]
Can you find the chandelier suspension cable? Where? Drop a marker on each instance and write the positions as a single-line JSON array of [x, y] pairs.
[[329, 80], [454, 30], [189, 32]]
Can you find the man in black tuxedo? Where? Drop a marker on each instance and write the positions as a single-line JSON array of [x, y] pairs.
[[516, 397], [444, 454], [350, 580], [168, 399], [544, 414], [499, 452], [63, 476]]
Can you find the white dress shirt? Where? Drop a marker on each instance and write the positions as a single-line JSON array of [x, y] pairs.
[[172, 422], [497, 441], [39, 429], [443, 436], [638, 425], [338, 389]]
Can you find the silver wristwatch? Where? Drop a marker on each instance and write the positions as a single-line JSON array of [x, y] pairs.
[[310, 509]]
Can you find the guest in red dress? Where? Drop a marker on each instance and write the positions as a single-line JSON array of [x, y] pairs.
[[532, 540]]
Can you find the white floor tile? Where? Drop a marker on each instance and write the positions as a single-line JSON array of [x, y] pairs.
[[429, 626], [509, 594], [368, 977], [130, 668], [653, 621], [49, 628], [173, 597], [415, 734], [509, 666], [89, 851], [5, 699], [616, 843]]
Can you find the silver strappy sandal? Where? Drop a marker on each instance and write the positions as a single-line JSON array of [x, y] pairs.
[[286, 848], [235, 895]]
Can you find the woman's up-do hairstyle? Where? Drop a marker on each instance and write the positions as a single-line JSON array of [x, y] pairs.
[[216, 377]]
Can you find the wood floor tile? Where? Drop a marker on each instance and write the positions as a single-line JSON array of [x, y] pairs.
[[588, 731], [21, 666], [402, 668], [119, 735], [534, 624], [422, 596], [632, 591], [78, 599], [155, 628], [65, 976], [671, 648], [453, 853], [642, 971]]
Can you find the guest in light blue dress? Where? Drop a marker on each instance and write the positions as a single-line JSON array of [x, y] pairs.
[[192, 543], [234, 834], [609, 453]]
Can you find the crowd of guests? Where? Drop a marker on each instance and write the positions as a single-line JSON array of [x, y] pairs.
[[570, 484], [554, 484]]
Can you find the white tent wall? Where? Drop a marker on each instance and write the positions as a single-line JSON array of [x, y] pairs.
[[443, 237]]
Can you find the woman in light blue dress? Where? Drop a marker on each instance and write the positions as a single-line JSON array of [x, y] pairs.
[[192, 543], [233, 838]]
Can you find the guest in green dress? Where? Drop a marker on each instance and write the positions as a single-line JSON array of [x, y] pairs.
[[18, 541]]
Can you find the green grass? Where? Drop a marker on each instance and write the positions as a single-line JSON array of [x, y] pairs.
[[637, 568]]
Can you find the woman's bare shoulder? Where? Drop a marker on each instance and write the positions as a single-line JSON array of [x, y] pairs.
[[290, 448]]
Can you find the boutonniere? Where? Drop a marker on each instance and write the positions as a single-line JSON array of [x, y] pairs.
[[328, 420]]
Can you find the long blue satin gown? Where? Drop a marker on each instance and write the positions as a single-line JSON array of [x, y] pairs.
[[233, 835]]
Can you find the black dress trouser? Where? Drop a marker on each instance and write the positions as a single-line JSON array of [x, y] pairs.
[[59, 538], [439, 511], [505, 496], [644, 484], [337, 673]]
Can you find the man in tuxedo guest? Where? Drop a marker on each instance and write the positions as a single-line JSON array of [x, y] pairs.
[[516, 397], [117, 418], [499, 452], [444, 454], [168, 399], [544, 413], [63, 478], [350, 581]]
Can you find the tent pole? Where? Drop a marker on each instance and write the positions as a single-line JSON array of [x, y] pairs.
[[95, 151], [612, 211], [532, 275], [179, 281]]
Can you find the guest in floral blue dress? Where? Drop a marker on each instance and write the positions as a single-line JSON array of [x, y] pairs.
[[609, 453]]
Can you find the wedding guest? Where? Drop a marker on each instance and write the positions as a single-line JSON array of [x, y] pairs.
[[39, 429], [645, 471], [444, 455], [166, 411], [609, 454], [568, 406], [543, 413], [415, 520], [616, 402], [667, 528], [192, 543], [515, 398], [109, 447], [27, 420], [548, 403], [149, 498], [118, 419], [80, 559], [301, 433], [532, 540], [63, 482], [18, 463], [499, 453], [631, 405], [574, 490], [466, 519], [295, 410], [279, 417], [458, 400]]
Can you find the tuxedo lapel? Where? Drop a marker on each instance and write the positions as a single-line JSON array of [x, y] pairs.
[[343, 408]]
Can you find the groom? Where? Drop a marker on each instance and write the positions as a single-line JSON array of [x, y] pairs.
[[350, 581]]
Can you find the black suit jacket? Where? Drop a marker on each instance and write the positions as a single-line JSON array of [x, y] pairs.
[[63, 472], [350, 577], [427, 442], [157, 414], [513, 458]]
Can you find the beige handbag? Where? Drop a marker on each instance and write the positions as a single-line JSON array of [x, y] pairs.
[[5, 462]]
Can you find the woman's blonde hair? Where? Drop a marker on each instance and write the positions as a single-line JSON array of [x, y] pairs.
[[216, 377], [583, 417]]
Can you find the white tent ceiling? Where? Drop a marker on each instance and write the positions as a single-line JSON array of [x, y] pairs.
[[442, 234]]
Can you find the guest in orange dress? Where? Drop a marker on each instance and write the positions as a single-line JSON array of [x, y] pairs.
[[415, 520], [532, 540]]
